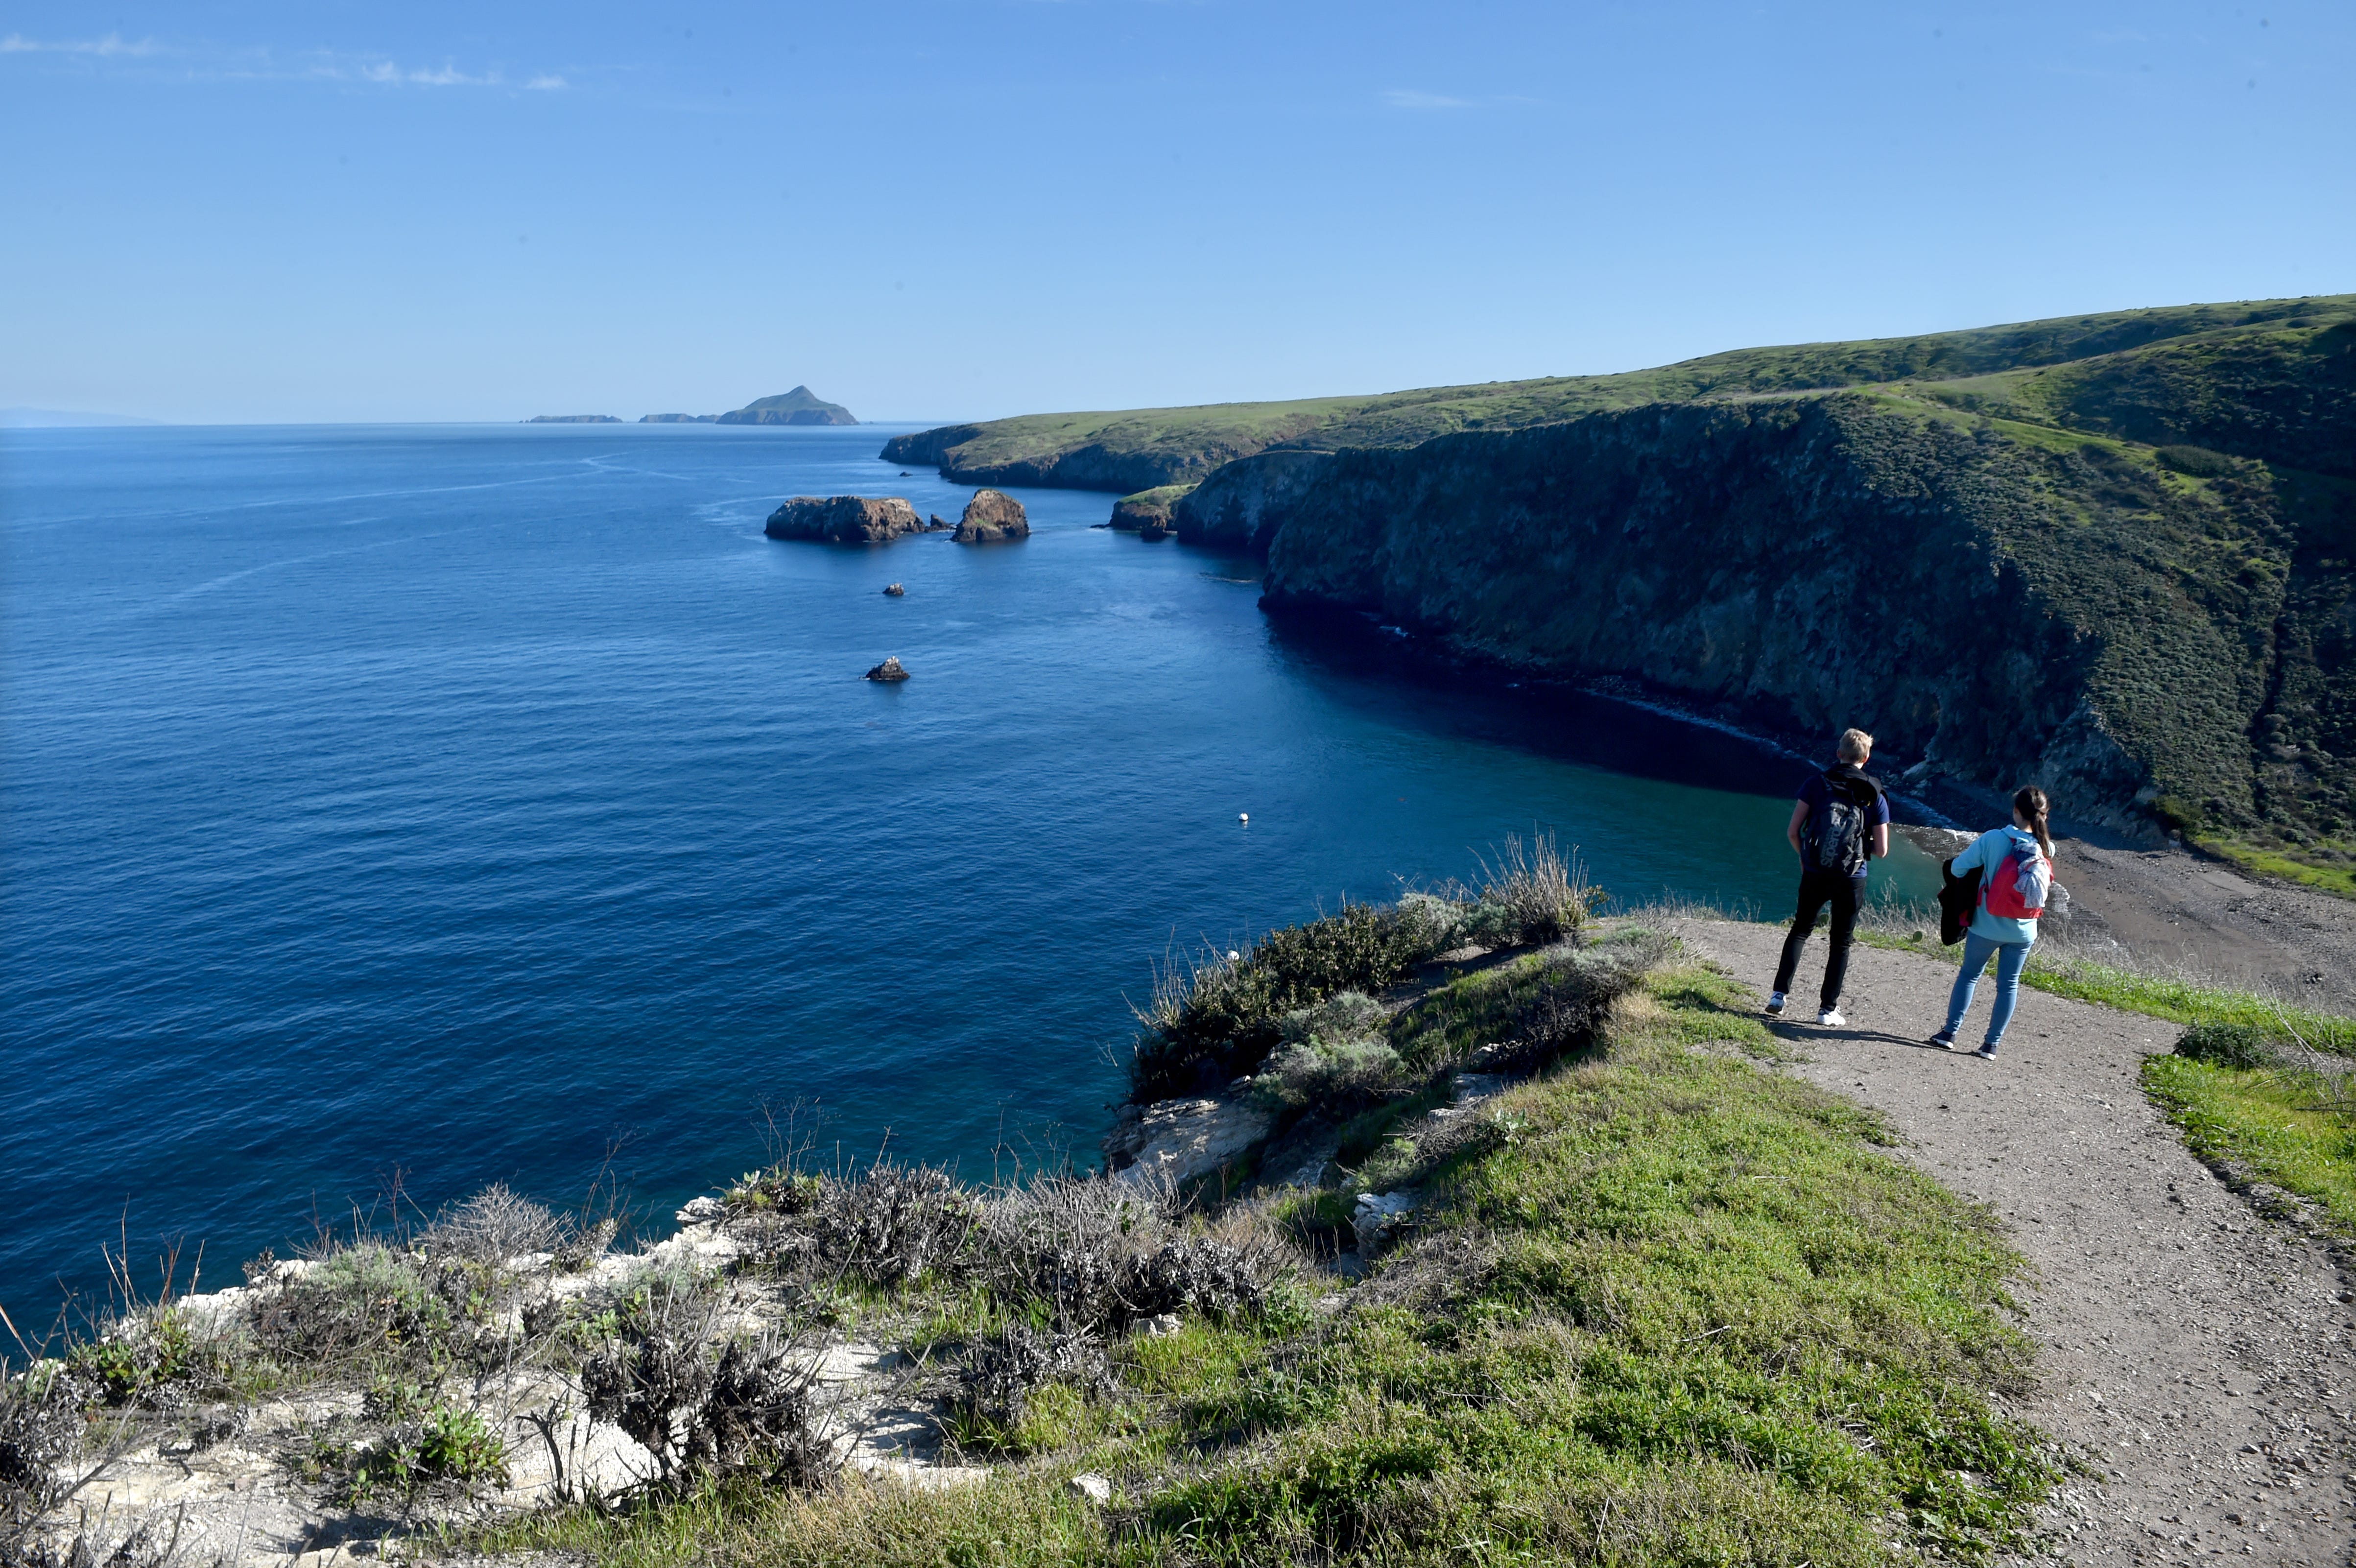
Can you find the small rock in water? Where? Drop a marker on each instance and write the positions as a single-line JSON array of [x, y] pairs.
[[890, 669], [893, 591], [1096, 1488], [938, 524]]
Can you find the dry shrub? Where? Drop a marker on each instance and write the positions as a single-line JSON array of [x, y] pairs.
[[1001, 1372], [1100, 1257], [495, 1226], [153, 1543], [40, 1423], [703, 1404], [891, 1223]]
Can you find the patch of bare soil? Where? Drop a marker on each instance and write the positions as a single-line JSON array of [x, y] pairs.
[[2201, 1355], [2168, 905]]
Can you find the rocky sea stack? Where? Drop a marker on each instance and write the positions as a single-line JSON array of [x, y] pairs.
[[845, 519], [890, 669], [991, 517]]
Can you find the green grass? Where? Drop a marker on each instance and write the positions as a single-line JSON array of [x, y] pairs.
[[1687, 1311], [2328, 866], [2186, 1001], [2292, 1128]]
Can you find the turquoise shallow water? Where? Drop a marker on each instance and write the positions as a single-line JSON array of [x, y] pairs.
[[421, 807]]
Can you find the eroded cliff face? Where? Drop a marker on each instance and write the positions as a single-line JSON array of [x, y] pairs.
[[1239, 506], [2061, 614]]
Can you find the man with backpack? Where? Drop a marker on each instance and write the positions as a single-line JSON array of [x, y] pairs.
[[1840, 821]]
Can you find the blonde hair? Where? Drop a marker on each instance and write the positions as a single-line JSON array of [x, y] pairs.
[[1856, 746], [2031, 802]]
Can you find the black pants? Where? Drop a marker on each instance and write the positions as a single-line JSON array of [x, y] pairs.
[[1818, 889]]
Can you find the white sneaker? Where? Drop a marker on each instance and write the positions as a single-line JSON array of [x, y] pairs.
[[1775, 1006], [1831, 1019]]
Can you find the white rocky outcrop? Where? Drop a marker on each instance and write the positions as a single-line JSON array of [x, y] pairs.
[[1180, 1141]]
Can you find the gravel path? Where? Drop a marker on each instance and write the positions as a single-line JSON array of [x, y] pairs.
[[2205, 1354]]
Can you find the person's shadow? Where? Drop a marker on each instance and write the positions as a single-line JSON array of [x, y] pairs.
[[1796, 1034]]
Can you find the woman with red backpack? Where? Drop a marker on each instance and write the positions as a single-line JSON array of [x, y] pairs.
[[2016, 872]]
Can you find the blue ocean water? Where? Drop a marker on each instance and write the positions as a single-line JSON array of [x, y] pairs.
[[413, 808]]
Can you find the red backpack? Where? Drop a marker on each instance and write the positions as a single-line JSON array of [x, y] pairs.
[[2016, 889]]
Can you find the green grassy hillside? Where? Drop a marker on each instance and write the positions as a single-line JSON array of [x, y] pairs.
[[2228, 377]]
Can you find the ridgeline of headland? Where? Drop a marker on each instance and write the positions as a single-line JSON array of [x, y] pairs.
[[2114, 555]]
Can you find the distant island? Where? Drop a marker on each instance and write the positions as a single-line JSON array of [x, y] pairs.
[[799, 407]]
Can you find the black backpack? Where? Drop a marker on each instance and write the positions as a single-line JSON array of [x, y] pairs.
[[1837, 838]]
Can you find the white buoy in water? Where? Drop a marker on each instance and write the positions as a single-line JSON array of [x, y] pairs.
[[1243, 816]]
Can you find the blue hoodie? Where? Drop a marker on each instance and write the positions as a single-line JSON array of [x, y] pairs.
[[1987, 852]]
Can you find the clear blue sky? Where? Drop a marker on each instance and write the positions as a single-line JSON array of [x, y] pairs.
[[270, 211]]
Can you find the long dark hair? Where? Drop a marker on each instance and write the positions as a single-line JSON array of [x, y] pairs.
[[2031, 802]]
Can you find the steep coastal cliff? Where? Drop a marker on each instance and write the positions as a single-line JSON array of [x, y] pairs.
[[2007, 602], [1238, 507], [2109, 553]]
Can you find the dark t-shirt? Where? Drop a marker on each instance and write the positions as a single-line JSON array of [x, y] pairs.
[[1817, 793]]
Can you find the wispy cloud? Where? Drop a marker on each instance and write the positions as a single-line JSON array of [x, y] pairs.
[[205, 62], [112, 44], [1408, 98], [385, 73]]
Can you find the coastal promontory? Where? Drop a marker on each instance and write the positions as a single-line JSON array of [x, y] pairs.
[[1148, 511], [991, 518], [845, 519], [2106, 553]]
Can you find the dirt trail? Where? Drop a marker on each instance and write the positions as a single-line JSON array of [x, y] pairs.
[[2206, 1354]]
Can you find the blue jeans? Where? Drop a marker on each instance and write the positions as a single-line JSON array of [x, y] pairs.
[[2010, 958]]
